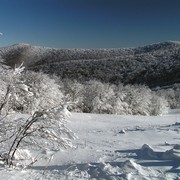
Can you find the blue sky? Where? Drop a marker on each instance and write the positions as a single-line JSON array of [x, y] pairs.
[[89, 23]]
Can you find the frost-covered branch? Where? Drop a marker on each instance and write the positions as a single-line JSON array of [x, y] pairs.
[[45, 128]]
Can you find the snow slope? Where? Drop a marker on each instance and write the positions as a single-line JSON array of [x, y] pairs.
[[113, 147]]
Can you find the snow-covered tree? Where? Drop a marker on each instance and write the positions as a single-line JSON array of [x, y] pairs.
[[172, 95], [159, 105], [73, 91], [13, 90], [98, 97], [45, 129], [103, 102], [46, 93], [138, 99]]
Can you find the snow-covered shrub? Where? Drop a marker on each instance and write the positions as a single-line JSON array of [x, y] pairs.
[[120, 107], [172, 95], [159, 105], [45, 129]]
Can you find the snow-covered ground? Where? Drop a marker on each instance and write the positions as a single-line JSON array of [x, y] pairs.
[[113, 147]]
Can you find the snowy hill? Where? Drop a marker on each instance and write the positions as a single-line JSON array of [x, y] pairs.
[[153, 65]]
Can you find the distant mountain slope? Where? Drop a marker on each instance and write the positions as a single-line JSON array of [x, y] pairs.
[[31, 55], [153, 65]]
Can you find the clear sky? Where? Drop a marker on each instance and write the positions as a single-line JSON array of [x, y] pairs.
[[89, 23]]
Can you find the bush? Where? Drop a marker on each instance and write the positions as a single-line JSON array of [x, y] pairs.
[[44, 129]]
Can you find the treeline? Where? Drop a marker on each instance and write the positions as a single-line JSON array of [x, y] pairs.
[[97, 97], [90, 97]]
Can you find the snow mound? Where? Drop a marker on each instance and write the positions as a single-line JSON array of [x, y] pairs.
[[112, 171], [146, 152], [172, 154]]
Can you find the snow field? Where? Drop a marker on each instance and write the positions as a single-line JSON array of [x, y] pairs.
[[113, 147]]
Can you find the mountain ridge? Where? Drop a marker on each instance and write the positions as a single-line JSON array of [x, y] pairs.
[[153, 65]]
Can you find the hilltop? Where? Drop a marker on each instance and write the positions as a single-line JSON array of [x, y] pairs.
[[153, 65]]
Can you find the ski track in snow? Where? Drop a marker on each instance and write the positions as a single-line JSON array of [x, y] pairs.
[[111, 147]]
